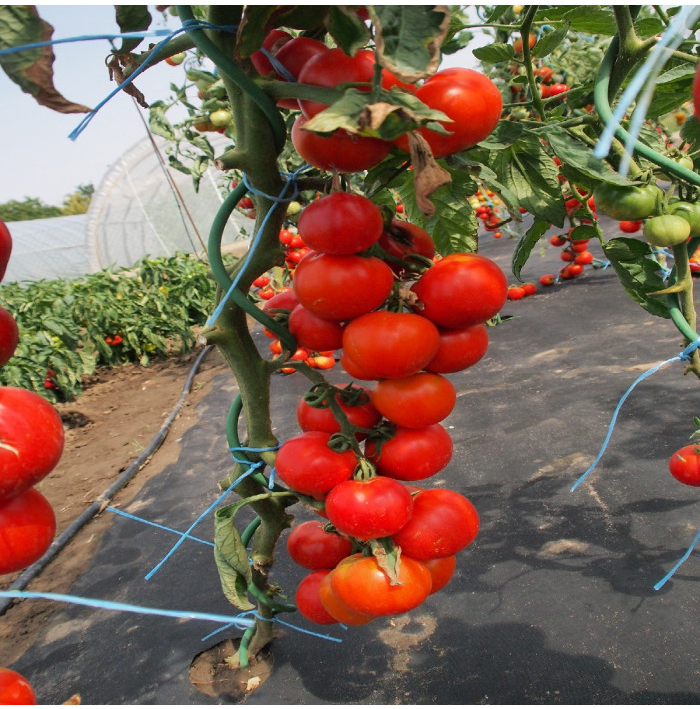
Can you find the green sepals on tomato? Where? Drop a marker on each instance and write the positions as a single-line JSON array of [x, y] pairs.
[[627, 202], [341, 223], [666, 230]]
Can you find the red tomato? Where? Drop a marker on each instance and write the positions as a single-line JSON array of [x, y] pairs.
[[340, 151], [321, 361], [461, 290], [515, 293], [274, 40], [293, 55], [443, 522], [341, 612], [412, 453], [584, 258], [342, 287], [529, 288], [308, 598], [416, 401], [27, 528], [286, 236], [556, 89], [567, 255], [546, 72], [470, 99], [341, 223], [261, 281], [15, 688], [281, 302], [459, 348], [401, 239], [549, 279], [307, 465], [364, 587], [314, 332], [363, 415], [5, 247], [9, 336], [353, 369], [310, 546], [31, 440], [369, 509], [630, 227], [384, 344], [441, 571], [685, 465]]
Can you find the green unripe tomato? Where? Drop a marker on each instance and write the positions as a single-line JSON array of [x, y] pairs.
[[219, 118], [666, 230], [293, 208], [626, 203], [683, 161], [690, 212], [176, 59]]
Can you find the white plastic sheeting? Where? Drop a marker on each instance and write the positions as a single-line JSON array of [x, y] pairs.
[[135, 211], [45, 249]]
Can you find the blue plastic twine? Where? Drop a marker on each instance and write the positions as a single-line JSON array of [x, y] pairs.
[[642, 86], [684, 355], [186, 25], [290, 179], [155, 524], [677, 565], [236, 621]]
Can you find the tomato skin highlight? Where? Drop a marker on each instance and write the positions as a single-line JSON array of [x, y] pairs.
[[32, 438], [412, 453], [341, 287], [364, 587], [416, 401], [684, 465], [341, 223], [27, 528], [461, 290], [307, 465], [443, 523], [369, 509], [384, 344], [15, 688]]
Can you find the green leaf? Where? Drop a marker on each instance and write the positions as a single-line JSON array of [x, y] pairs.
[[496, 12], [572, 151], [253, 29], [503, 135], [637, 272], [454, 226], [526, 244], [584, 231], [690, 133], [347, 29], [231, 557], [532, 176], [592, 20], [408, 38], [494, 53], [158, 123], [132, 18], [548, 42], [649, 26], [32, 69]]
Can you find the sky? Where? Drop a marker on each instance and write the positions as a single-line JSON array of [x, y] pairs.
[[40, 160]]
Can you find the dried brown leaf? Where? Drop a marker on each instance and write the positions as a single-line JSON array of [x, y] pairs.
[[428, 175]]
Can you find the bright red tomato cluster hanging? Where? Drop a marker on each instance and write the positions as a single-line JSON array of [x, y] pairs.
[[403, 320]]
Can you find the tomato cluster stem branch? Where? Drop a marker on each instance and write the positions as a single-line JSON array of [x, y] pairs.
[[525, 29]]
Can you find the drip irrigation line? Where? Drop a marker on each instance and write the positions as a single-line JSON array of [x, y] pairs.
[[102, 501]]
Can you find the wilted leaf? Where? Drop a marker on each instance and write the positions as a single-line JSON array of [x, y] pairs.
[[32, 69], [408, 38], [231, 557], [388, 557], [428, 175]]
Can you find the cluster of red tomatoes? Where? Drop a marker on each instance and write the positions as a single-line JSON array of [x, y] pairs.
[[486, 208], [470, 99], [575, 252], [402, 321], [31, 444]]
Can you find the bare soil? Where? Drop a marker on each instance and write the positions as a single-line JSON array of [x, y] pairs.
[[107, 428]]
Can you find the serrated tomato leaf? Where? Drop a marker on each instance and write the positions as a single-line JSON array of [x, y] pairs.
[[526, 244]]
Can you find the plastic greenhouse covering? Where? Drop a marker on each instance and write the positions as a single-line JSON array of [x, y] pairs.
[[141, 208]]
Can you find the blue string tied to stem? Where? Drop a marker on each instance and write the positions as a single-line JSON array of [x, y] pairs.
[[290, 179], [186, 26], [682, 356]]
